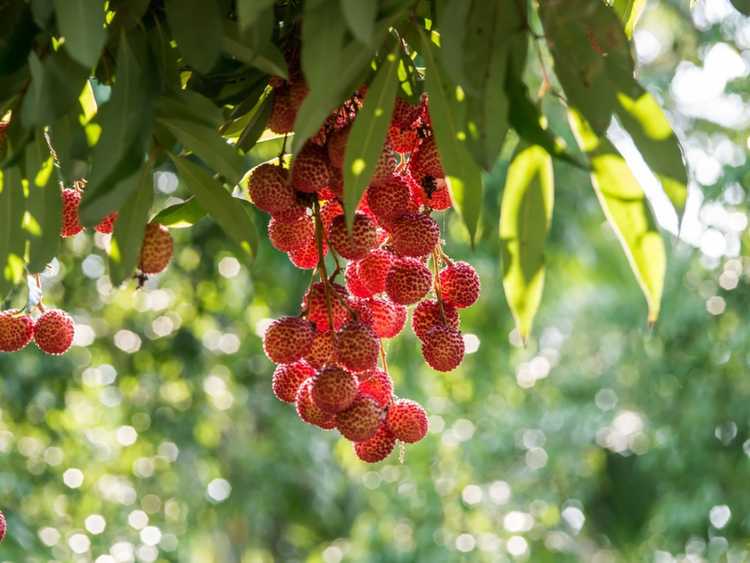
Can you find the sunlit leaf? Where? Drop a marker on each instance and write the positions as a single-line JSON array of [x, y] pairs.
[[181, 215], [197, 27], [81, 23]]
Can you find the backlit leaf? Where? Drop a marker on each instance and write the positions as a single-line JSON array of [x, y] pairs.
[[197, 27], [81, 23]]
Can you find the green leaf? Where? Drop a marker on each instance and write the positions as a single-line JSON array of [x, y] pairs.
[[360, 17], [657, 143], [190, 106], [181, 215], [12, 239], [69, 140], [525, 218], [126, 121], [225, 209], [462, 173], [17, 33], [197, 27], [127, 236], [81, 23], [368, 133], [625, 206], [265, 57], [630, 12], [249, 10], [256, 124]]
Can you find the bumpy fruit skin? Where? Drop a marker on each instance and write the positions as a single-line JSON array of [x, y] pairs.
[[290, 214], [334, 389], [289, 236], [329, 212], [428, 315], [317, 311], [107, 225], [443, 348], [408, 281], [374, 268], [415, 234], [288, 339], [354, 282], [376, 384], [310, 170], [388, 318], [459, 284], [287, 379], [407, 420], [156, 250], [337, 146], [269, 189], [376, 448], [16, 330], [389, 200], [3, 526], [403, 140], [426, 161], [282, 113], [361, 420], [432, 193], [363, 238], [308, 411], [386, 165], [306, 257], [54, 332], [321, 351], [405, 114], [71, 201], [356, 347]]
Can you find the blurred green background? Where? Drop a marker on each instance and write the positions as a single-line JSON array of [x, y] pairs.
[[157, 437]]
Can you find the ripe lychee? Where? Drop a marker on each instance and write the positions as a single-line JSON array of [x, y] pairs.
[[288, 339], [282, 113], [443, 348], [353, 281], [361, 420], [337, 145], [403, 140], [433, 193], [269, 189], [329, 212], [388, 318], [355, 245], [291, 214], [310, 169], [386, 165], [317, 309], [390, 200], [306, 257], [376, 448], [54, 332], [415, 234], [459, 284], [16, 330], [107, 225], [374, 268], [321, 351], [334, 389], [376, 384], [407, 420], [428, 314], [425, 161], [356, 346], [308, 411], [290, 236], [156, 249], [408, 281], [288, 377], [405, 114], [3, 526], [71, 201]]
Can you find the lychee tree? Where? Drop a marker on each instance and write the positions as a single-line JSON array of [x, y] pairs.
[[354, 126]]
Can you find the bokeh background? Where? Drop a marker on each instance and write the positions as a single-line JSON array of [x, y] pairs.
[[157, 437]]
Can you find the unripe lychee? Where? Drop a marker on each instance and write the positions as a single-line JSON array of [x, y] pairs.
[[459, 284], [310, 169], [363, 237], [321, 351], [376, 384], [428, 314], [306, 257], [390, 200], [407, 420], [287, 237], [106, 225], [361, 420], [71, 201], [54, 332], [388, 318], [374, 268], [415, 234], [308, 411], [288, 339], [425, 161], [16, 330], [443, 348], [269, 189], [156, 249], [334, 389], [354, 282], [376, 448], [356, 347], [317, 309], [288, 377], [408, 281]]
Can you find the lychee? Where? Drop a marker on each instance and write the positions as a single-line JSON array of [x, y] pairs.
[[429, 314], [306, 257], [269, 189], [308, 411], [106, 225], [376, 384], [288, 377], [288, 339], [388, 318], [317, 309], [16, 330], [459, 284], [407, 420], [443, 348], [3, 526], [310, 169], [337, 145], [415, 234], [156, 249], [355, 245], [389, 200], [425, 161], [361, 420], [54, 332], [334, 389], [71, 201], [353, 281], [377, 447], [433, 193], [386, 165], [408, 281], [356, 347], [290, 236], [321, 351], [373, 269]]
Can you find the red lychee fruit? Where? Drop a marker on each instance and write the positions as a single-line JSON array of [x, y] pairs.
[[156, 250], [376, 384], [287, 237], [415, 234], [388, 318], [310, 169], [361, 310], [329, 212], [459, 284], [425, 161], [71, 201], [291, 214], [389, 200], [269, 189], [317, 310], [288, 339], [408, 281], [356, 347], [337, 146], [308, 411], [283, 113], [288, 377], [403, 141], [16, 330], [107, 225], [321, 351], [443, 348], [361, 420], [407, 420], [306, 257], [433, 193], [373, 269], [405, 114], [428, 314], [3, 524], [353, 281], [54, 332], [363, 237], [376, 448], [386, 165], [334, 389]]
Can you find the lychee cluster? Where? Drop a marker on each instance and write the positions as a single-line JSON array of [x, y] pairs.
[[71, 223], [389, 257], [52, 331]]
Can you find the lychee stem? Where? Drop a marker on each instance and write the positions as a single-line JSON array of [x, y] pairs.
[[322, 262], [436, 280], [383, 359]]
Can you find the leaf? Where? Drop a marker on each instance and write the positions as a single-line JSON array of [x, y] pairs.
[[127, 236], [368, 133], [360, 17], [88, 102], [265, 57], [624, 204], [81, 23], [12, 207], [69, 140], [630, 12], [17, 33], [256, 124], [462, 173], [525, 218], [248, 11], [452, 21], [191, 106], [225, 209], [181, 215], [197, 27]]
